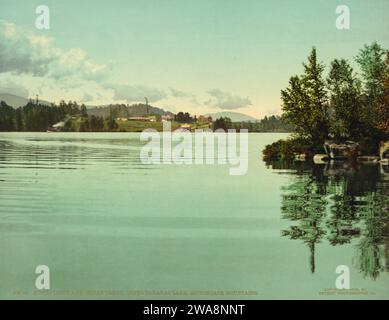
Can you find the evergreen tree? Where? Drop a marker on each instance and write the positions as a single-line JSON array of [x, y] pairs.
[[384, 104], [222, 123], [345, 102], [84, 113], [305, 102], [371, 60], [6, 117], [19, 120]]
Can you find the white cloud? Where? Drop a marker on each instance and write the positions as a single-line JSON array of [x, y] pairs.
[[180, 94], [22, 52], [30, 60], [135, 93], [87, 97], [226, 100], [184, 95]]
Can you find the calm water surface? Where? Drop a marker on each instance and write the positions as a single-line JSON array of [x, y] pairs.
[[109, 226]]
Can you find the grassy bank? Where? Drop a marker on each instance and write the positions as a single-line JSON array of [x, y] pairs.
[[139, 126]]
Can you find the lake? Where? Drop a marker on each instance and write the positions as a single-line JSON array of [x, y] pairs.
[[108, 226]]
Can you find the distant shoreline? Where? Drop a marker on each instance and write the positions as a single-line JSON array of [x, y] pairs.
[[86, 132]]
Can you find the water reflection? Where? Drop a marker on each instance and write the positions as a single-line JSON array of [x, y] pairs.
[[340, 203]]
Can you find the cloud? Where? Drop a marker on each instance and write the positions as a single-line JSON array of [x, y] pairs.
[[30, 60], [180, 94], [22, 52], [135, 93], [225, 100], [87, 97], [8, 86], [76, 62], [34, 59], [184, 95]]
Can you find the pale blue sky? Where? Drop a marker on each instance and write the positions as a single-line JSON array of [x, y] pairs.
[[200, 56]]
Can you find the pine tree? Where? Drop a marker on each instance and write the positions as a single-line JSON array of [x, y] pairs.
[[384, 106], [371, 60], [19, 120], [305, 102], [345, 102]]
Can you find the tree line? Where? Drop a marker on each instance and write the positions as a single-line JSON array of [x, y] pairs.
[[267, 124], [37, 117]]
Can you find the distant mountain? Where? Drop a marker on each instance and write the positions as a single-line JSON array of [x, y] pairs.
[[123, 111], [16, 101], [234, 116]]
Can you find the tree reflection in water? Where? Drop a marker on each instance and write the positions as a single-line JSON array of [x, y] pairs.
[[339, 202]]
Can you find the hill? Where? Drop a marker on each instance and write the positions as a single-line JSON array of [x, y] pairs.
[[123, 111], [16, 101], [136, 110]]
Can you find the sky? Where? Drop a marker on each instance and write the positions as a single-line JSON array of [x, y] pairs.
[[198, 56]]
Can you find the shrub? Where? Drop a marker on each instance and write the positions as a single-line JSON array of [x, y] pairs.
[[287, 149]]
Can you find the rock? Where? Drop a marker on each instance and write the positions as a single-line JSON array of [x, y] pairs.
[[320, 158], [300, 157], [341, 150], [384, 150]]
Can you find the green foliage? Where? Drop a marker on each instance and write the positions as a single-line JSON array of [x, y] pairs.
[[96, 123], [182, 117], [7, 122], [84, 113], [371, 60], [305, 102], [222, 123], [18, 120], [287, 149], [139, 126], [383, 110], [32, 117], [267, 124], [347, 112], [38, 117], [344, 107]]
